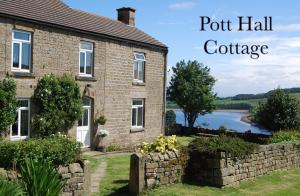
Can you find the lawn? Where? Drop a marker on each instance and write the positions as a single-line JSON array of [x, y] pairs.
[[278, 183], [116, 179], [115, 182]]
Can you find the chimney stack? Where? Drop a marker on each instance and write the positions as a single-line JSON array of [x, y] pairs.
[[126, 15]]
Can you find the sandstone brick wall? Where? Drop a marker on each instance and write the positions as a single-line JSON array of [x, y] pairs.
[[57, 51], [223, 170], [77, 178], [156, 169]]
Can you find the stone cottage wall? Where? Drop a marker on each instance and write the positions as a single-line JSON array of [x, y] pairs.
[[77, 178], [222, 170], [111, 89], [156, 169]]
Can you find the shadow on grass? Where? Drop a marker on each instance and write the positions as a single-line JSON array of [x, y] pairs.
[[121, 181], [123, 191]]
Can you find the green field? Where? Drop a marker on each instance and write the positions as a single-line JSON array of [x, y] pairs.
[[234, 104]]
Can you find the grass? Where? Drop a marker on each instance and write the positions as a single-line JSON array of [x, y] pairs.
[[116, 179], [234, 104], [278, 183], [93, 161]]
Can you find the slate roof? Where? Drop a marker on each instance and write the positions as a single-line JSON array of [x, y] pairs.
[[57, 13]]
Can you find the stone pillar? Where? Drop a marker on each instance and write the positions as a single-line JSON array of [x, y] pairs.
[[137, 174]]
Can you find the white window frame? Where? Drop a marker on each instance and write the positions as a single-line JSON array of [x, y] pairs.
[[144, 63], [89, 108], [18, 111], [85, 51], [20, 42], [143, 113]]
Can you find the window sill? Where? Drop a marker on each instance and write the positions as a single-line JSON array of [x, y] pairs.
[[138, 83], [22, 75], [18, 138], [86, 78], [137, 129]]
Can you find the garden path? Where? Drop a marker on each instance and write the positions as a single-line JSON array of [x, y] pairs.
[[96, 177]]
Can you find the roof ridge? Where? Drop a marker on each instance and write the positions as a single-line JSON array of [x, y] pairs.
[[56, 12]]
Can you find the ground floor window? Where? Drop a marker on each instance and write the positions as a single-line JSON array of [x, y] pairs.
[[21, 128], [137, 115]]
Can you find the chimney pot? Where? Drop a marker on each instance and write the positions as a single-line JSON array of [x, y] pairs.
[[126, 15]]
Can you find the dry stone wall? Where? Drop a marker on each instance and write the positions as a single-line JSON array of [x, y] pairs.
[[223, 170], [77, 177], [156, 169]]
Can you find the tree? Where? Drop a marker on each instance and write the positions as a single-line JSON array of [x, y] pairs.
[[191, 87], [280, 112], [8, 104], [170, 119], [59, 104]]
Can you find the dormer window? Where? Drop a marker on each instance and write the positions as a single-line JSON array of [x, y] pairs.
[[139, 67]]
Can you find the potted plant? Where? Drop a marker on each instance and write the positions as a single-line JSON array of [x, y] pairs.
[[101, 132], [101, 120]]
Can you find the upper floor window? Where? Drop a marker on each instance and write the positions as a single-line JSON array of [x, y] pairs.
[[139, 67], [137, 114], [20, 129], [21, 51], [86, 62]]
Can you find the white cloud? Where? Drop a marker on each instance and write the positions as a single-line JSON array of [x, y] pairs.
[[182, 6], [241, 74], [288, 27]]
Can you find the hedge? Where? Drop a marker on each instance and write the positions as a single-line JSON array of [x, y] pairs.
[[234, 146], [58, 150]]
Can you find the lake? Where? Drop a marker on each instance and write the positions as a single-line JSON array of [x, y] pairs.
[[231, 120]]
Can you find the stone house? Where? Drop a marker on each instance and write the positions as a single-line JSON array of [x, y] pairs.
[[120, 69]]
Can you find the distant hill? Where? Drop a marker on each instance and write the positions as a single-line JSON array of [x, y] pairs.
[[243, 101], [261, 95]]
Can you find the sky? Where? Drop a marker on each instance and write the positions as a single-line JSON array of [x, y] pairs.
[[177, 24]]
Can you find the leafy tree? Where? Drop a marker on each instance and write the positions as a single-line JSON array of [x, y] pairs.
[[280, 112], [191, 88], [59, 104], [8, 104]]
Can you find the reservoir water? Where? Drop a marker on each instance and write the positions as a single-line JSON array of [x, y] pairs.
[[231, 120]]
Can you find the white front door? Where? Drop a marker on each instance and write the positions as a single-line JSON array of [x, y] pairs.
[[84, 124]]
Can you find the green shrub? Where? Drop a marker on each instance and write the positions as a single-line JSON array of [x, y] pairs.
[[8, 104], [10, 188], [113, 147], [280, 112], [58, 150], [222, 130], [234, 146], [59, 104], [285, 137], [40, 178], [161, 144], [170, 119]]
